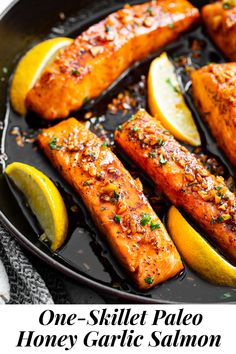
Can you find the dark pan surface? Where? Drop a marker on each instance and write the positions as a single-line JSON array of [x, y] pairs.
[[85, 257]]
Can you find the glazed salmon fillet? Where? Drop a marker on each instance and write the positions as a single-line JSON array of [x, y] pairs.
[[115, 201], [214, 91], [182, 178], [101, 54], [220, 21]]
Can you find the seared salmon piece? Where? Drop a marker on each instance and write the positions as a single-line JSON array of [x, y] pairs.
[[214, 91], [115, 201], [101, 54], [182, 178], [220, 21]]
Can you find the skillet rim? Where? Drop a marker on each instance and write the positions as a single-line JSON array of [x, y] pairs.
[[8, 8]]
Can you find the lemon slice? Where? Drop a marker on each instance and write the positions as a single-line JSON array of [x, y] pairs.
[[44, 200], [198, 253], [30, 68], [166, 101]]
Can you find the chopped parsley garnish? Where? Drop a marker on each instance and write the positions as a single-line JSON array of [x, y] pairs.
[[119, 127], [116, 195], [149, 280], [150, 11], [160, 142], [135, 129], [152, 154], [175, 88], [218, 188], [227, 295], [117, 219], [75, 72], [104, 145], [145, 219], [212, 221], [107, 28], [171, 25], [228, 4], [53, 144], [220, 218], [162, 160], [166, 132], [154, 226]]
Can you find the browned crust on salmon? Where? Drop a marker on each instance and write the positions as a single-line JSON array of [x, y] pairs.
[[220, 21], [115, 201], [100, 54], [214, 91], [183, 178]]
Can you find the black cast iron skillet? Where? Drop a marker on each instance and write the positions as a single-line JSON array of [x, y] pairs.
[[85, 257]]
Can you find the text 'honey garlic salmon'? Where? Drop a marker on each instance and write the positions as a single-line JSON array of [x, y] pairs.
[[115, 201], [182, 177], [99, 55], [220, 21], [214, 91]]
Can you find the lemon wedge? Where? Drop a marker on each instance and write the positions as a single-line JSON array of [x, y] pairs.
[[198, 253], [31, 67], [166, 101], [44, 200]]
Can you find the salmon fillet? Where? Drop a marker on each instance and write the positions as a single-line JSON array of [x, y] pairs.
[[220, 21], [99, 55], [182, 178], [115, 201], [214, 91]]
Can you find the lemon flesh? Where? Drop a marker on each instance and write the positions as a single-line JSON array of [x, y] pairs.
[[44, 200], [198, 253], [31, 67], [166, 101]]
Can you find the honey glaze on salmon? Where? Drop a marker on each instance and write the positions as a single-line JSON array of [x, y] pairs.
[[115, 201], [101, 54], [214, 92], [182, 178], [220, 21]]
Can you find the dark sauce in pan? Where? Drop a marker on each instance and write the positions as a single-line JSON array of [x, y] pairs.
[[85, 251]]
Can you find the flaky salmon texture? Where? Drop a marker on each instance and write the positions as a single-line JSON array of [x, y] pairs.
[[220, 21], [99, 55], [182, 178], [214, 91], [115, 200]]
